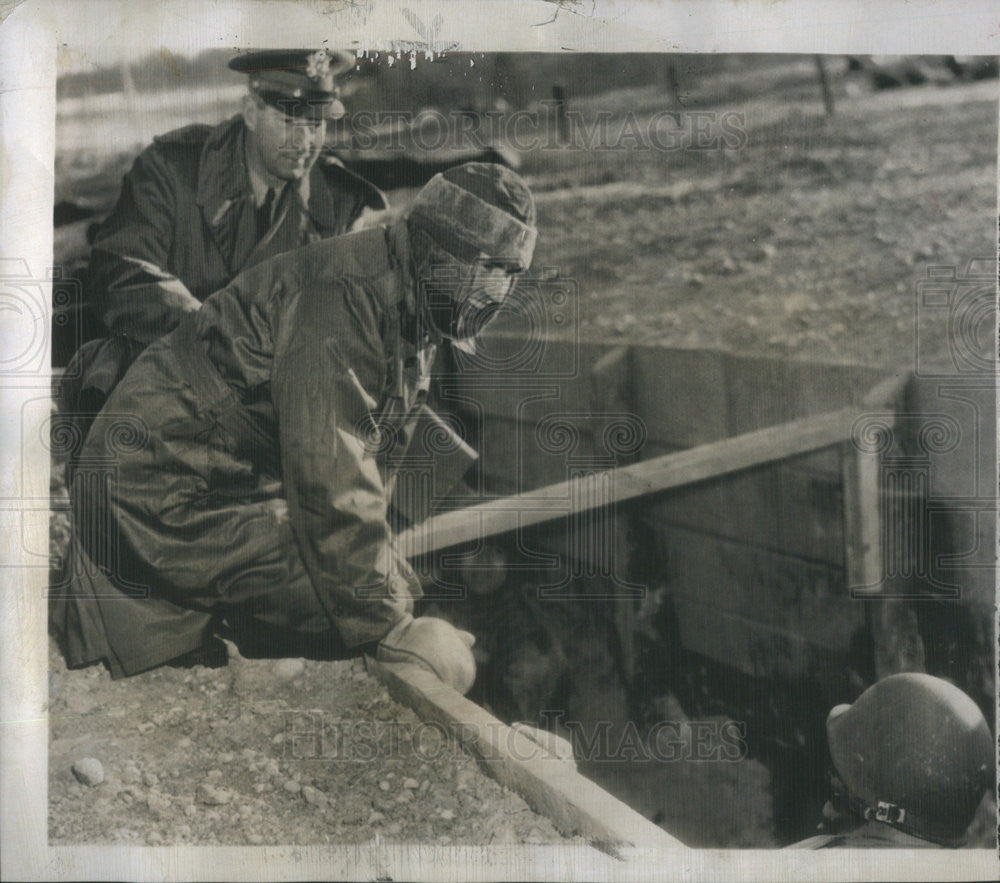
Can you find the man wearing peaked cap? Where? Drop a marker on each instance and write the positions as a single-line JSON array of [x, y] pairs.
[[253, 482], [203, 203], [299, 83]]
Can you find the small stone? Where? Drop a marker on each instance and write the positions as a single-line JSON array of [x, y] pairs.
[[272, 768], [260, 787], [314, 796], [395, 829], [447, 814], [89, 771], [212, 796], [158, 802], [183, 831], [184, 742], [154, 838], [278, 739], [80, 704], [150, 780], [411, 783], [227, 757], [404, 797], [255, 838], [287, 669], [292, 786], [213, 775], [131, 774], [146, 728], [384, 785], [463, 779], [190, 810], [376, 816], [424, 785], [248, 754]]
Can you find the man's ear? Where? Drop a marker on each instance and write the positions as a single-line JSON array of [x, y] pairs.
[[250, 110]]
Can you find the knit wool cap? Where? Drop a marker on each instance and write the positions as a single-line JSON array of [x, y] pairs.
[[478, 210]]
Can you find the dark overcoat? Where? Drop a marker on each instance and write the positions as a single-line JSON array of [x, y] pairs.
[[244, 462], [183, 227]]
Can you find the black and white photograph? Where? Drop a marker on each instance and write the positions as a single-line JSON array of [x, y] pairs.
[[500, 441]]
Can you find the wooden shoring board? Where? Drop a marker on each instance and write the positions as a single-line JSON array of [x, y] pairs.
[[672, 470], [552, 787]]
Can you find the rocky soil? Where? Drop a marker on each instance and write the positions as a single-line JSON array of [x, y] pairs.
[[286, 751]]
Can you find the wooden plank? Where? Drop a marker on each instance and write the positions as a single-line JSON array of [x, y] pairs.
[[628, 482], [770, 505], [680, 395], [549, 785], [512, 454], [762, 612]]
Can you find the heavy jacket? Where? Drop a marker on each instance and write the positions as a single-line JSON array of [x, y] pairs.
[[869, 835], [185, 225], [246, 462]]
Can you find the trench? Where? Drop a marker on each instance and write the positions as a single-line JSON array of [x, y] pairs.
[[714, 758], [690, 642]]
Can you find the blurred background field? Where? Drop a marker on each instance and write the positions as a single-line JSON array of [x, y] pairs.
[[800, 233]]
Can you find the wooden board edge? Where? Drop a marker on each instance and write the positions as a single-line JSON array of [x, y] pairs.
[[552, 787]]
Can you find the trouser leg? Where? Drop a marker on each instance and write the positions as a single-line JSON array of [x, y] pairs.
[[129, 628]]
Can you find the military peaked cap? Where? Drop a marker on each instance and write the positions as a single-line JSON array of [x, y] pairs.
[[298, 82]]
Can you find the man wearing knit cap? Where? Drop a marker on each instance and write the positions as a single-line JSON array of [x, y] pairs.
[[203, 203], [255, 487]]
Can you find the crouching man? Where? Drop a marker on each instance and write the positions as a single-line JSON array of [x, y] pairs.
[[241, 470]]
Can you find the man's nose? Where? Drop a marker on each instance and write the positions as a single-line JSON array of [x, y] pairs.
[[303, 136]]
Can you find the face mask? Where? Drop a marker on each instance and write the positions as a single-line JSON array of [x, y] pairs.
[[460, 299]]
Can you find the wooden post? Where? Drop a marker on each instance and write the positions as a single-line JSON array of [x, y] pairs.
[[897, 643], [824, 83]]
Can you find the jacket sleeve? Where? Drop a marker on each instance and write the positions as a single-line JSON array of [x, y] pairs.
[[328, 368], [131, 290]]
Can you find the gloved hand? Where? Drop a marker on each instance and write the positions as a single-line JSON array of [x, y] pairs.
[[435, 645]]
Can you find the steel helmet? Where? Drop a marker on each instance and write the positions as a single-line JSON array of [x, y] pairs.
[[914, 752]]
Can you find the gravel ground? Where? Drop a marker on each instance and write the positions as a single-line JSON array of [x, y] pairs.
[[261, 751]]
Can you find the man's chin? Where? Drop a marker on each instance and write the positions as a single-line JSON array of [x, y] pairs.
[[293, 171]]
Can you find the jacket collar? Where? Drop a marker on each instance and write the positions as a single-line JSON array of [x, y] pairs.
[[224, 179], [222, 171]]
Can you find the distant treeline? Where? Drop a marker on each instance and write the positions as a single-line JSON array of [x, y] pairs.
[[473, 80]]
